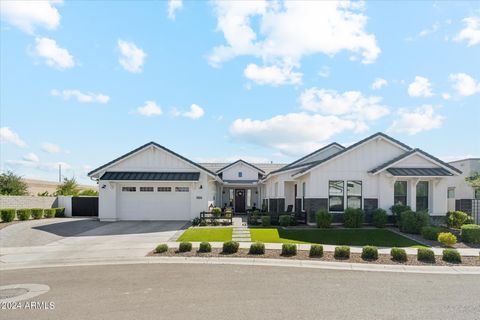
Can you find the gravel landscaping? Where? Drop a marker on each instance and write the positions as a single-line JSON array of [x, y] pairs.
[[304, 255]]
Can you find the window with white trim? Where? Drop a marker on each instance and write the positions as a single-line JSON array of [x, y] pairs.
[[182, 189], [422, 196], [129, 189], [146, 189], [240, 174], [336, 195], [400, 192], [354, 194], [451, 193], [164, 189]]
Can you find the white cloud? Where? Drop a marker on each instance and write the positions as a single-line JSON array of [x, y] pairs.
[[173, 7], [54, 56], [44, 166], [324, 72], [27, 15], [471, 31], [131, 58], [291, 134], [446, 96], [272, 75], [51, 147], [8, 136], [196, 112], [464, 84], [425, 32], [420, 87], [150, 109], [350, 104], [80, 96], [421, 119], [32, 157], [379, 83]]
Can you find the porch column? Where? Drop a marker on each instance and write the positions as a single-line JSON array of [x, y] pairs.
[[412, 195]]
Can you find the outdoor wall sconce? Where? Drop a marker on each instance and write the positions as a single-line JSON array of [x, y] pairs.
[[201, 187], [104, 186]]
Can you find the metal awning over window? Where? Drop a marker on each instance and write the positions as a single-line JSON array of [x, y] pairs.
[[419, 172], [151, 176]]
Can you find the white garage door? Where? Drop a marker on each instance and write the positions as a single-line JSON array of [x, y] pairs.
[[154, 202]]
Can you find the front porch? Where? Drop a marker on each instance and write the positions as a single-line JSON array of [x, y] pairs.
[[240, 197]]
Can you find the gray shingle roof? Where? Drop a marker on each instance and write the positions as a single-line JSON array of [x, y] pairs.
[[419, 172], [151, 176]]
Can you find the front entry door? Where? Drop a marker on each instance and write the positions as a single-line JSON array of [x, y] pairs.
[[239, 200]]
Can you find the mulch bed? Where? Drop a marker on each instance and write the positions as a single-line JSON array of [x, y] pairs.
[[303, 255]]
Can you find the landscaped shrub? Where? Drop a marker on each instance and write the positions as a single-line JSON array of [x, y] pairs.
[[230, 247], [49, 213], [185, 247], [24, 214], [203, 223], [161, 248], [257, 248], [447, 238], [379, 218], [316, 250], [456, 219], [215, 223], [217, 212], [266, 221], [451, 255], [397, 209], [205, 247], [59, 212], [323, 218], [196, 221], [430, 232], [7, 215], [471, 233], [289, 249], [342, 252], [413, 222], [369, 253], [37, 213], [284, 220], [398, 254], [353, 218], [425, 255]]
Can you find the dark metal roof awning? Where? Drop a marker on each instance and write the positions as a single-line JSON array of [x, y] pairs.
[[419, 172], [240, 181], [151, 176]]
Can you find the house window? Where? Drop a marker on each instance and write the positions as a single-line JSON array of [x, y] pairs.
[[129, 189], [477, 193], [451, 193], [182, 189], [231, 198], [354, 194], [422, 195], [335, 195], [249, 198], [400, 192], [240, 174], [146, 189], [164, 189]]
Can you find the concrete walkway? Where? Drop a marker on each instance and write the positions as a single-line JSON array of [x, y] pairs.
[[240, 230]]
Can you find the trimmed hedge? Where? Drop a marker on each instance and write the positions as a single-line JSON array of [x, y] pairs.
[[289, 249], [205, 247], [369, 253], [425, 255], [49, 213], [398, 254], [413, 222], [456, 219], [379, 218], [257, 248], [59, 212], [230, 247], [323, 218], [447, 238], [342, 252], [397, 209], [266, 221], [185, 247], [430, 232], [316, 250], [353, 218], [471, 233], [284, 220], [24, 214], [161, 248], [451, 255], [37, 213], [7, 215]]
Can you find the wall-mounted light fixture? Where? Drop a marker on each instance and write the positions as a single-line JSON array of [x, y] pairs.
[[104, 186], [201, 187]]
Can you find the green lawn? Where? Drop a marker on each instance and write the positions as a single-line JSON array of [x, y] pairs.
[[207, 234], [353, 237]]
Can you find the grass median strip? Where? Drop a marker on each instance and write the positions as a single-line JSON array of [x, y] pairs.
[[206, 234]]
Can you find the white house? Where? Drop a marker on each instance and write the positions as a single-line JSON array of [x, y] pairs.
[[155, 183]]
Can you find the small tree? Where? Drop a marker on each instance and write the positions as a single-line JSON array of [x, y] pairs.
[[69, 187], [12, 185], [474, 180], [89, 192]]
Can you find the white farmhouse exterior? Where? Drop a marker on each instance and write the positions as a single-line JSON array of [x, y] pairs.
[[155, 183]]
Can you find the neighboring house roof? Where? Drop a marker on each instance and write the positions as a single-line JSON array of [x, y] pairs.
[[419, 172], [239, 161], [390, 163], [151, 176], [466, 159], [353, 146], [143, 147]]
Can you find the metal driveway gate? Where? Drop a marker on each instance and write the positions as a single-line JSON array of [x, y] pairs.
[[85, 206]]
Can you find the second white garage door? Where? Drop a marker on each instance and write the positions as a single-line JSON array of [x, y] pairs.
[[154, 202]]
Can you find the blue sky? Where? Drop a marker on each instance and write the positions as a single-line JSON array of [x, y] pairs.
[[83, 82]]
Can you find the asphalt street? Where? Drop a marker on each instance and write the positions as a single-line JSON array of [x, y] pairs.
[[191, 291]]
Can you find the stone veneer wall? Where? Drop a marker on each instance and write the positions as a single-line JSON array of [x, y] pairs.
[[27, 202]]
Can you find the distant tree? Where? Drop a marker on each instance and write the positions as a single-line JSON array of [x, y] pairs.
[[43, 194], [69, 187], [12, 185], [88, 192], [474, 180]]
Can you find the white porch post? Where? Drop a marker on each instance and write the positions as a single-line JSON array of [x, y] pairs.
[[413, 194]]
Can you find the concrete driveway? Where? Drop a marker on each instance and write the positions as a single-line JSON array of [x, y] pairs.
[[75, 239]]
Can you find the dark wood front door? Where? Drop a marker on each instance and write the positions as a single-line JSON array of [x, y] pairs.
[[239, 200]]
